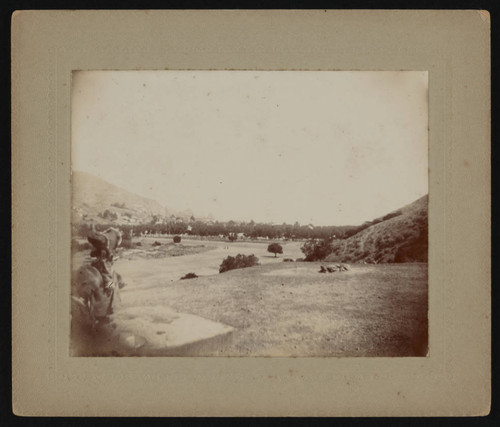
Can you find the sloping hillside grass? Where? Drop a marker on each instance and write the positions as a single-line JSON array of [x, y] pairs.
[[402, 237]]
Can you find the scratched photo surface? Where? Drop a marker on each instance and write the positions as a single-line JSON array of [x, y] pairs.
[[249, 213]]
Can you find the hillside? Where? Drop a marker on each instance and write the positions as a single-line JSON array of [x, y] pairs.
[[400, 236], [94, 198]]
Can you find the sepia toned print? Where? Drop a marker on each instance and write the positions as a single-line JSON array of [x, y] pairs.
[[47, 46], [249, 213]]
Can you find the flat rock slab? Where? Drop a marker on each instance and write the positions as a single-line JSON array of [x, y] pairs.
[[161, 328]]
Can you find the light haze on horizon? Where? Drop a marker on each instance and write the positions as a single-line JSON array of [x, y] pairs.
[[320, 147]]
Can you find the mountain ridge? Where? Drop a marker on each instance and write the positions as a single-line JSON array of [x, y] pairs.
[[92, 197]]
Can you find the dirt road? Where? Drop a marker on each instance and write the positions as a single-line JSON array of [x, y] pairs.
[[145, 273]]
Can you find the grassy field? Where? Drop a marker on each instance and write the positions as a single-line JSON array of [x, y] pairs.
[[289, 309], [278, 308]]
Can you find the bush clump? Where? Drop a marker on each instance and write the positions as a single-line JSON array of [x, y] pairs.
[[240, 261], [177, 239], [156, 243], [317, 249], [189, 276]]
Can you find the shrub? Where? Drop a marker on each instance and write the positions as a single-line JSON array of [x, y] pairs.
[[315, 250], [240, 261], [189, 276], [288, 260], [138, 244], [275, 248], [157, 243], [177, 239]]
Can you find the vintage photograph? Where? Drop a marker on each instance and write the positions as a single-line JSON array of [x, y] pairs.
[[249, 213]]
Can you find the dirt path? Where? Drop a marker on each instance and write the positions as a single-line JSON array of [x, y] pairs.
[[146, 273]]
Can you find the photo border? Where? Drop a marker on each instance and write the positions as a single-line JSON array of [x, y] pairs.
[[452, 45]]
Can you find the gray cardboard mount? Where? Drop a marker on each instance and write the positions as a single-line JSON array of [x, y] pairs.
[[454, 46]]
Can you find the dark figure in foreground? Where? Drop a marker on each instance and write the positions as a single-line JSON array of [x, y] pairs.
[[105, 244], [95, 293], [95, 284]]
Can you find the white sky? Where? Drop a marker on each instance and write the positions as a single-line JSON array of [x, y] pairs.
[[326, 147]]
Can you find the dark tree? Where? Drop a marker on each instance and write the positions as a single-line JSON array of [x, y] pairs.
[[275, 248], [177, 239], [317, 249]]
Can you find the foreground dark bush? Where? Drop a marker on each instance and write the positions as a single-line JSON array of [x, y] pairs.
[[177, 239], [240, 261], [189, 276]]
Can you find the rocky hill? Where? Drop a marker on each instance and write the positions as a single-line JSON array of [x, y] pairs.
[[96, 199], [400, 236]]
